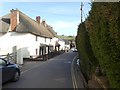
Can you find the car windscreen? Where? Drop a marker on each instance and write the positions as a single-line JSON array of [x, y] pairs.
[[2, 62]]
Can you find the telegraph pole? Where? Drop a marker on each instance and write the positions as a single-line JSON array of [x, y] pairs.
[[81, 9]]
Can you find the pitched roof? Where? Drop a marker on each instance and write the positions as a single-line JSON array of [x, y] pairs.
[[4, 23], [27, 25], [51, 30]]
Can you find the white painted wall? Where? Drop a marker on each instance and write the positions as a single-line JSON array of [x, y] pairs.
[[25, 42], [53, 41], [41, 40], [62, 44], [67, 47], [47, 41]]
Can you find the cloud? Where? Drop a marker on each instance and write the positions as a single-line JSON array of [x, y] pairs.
[[65, 27], [63, 9]]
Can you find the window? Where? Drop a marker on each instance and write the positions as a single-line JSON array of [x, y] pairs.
[[45, 39], [50, 39], [36, 51], [36, 38]]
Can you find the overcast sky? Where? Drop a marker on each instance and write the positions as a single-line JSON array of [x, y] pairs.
[[62, 16]]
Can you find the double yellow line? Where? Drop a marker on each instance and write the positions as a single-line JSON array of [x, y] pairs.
[[73, 75]]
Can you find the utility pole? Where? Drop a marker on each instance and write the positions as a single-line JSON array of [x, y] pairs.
[[81, 9]]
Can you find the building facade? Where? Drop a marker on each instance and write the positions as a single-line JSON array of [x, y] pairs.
[[24, 36]]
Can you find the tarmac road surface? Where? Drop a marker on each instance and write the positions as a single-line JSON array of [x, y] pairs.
[[53, 73]]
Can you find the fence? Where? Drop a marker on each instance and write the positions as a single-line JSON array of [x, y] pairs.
[[12, 57]]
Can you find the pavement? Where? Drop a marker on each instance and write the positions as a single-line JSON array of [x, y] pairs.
[[78, 77], [93, 83]]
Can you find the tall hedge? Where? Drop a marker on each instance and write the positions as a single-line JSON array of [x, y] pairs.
[[104, 35], [103, 25], [88, 61]]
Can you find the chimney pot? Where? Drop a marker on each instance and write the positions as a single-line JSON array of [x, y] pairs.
[[38, 19], [44, 23], [12, 10]]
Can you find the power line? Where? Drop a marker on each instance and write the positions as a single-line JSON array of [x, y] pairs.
[[81, 10], [83, 13], [45, 12]]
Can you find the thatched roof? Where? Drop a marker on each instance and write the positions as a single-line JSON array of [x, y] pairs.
[[27, 25]]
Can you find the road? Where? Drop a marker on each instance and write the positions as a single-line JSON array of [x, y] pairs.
[[54, 73]]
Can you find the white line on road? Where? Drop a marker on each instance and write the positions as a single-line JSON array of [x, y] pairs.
[[26, 70], [31, 68]]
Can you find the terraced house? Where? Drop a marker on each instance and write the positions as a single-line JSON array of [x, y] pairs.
[[27, 37]]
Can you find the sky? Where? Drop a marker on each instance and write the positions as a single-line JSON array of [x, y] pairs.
[[64, 17]]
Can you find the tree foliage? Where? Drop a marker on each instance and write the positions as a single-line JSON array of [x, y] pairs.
[[88, 61], [103, 26]]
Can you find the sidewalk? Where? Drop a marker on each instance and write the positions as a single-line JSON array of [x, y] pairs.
[[79, 76], [79, 82]]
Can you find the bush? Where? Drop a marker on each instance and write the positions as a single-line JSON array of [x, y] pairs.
[[98, 41], [104, 33], [87, 60]]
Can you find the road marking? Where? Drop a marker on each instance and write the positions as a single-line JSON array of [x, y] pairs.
[[26, 70], [38, 65], [67, 62], [31, 68], [73, 75]]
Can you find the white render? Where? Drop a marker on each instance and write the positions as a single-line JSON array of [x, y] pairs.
[[54, 40], [60, 41], [62, 44], [26, 44], [23, 41]]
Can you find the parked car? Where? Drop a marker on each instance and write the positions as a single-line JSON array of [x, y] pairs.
[[74, 49], [8, 71]]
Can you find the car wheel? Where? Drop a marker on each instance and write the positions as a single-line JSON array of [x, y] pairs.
[[16, 76]]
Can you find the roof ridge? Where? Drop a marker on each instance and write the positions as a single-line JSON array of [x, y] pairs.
[[32, 25], [45, 32]]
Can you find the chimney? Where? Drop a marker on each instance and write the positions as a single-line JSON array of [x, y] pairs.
[[14, 19], [38, 19], [51, 27], [44, 23]]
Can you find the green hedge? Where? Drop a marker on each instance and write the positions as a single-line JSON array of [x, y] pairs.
[[88, 61], [103, 26]]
